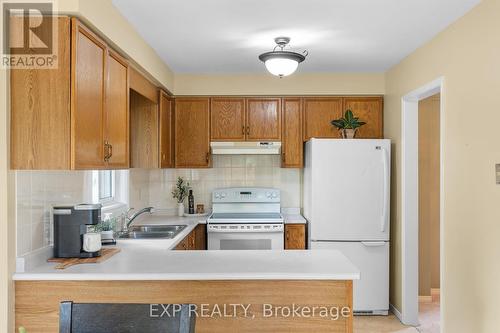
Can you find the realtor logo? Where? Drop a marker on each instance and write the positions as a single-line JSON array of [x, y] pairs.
[[29, 34]]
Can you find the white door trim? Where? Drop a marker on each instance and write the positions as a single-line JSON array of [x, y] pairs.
[[409, 193]]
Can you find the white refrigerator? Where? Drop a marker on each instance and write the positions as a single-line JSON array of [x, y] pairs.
[[346, 202]]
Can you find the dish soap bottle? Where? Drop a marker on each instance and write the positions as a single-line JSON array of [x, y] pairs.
[[191, 202]]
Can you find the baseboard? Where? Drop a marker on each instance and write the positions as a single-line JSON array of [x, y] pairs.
[[396, 312], [425, 299]]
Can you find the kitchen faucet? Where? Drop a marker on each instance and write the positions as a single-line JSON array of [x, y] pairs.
[[131, 219]]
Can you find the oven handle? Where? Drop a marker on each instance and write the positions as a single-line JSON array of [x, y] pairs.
[[253, 228]]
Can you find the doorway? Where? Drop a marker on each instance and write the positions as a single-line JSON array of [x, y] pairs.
[[412, 198], [428, 213]]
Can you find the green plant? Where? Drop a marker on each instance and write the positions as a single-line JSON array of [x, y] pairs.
[[105, 225], [181, 190], [348, 121]]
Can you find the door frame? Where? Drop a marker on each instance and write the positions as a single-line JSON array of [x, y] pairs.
[[409, 198]]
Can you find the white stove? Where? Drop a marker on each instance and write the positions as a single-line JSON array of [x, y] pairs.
[[245, 219]]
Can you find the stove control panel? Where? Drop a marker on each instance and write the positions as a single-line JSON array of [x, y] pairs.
[[244, 194]]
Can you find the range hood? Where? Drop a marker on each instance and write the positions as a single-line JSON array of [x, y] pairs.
[[245, 148]]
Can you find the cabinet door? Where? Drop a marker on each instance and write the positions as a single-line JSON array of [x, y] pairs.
[[166, 131], [369, 110], [295, 237], [117, 112], [144, 142], [263, 120], [192, 132], [318, 114], [292, 140], [40, 108], [227, 119], [200, 237], [88, 58]]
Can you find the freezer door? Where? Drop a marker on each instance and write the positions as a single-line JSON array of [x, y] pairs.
[[371, 292], [346, 184]]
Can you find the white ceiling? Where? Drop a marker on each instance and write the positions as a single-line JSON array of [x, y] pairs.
[[226, 36]]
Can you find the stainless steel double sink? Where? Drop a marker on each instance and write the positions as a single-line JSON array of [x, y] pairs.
[[152, 231]]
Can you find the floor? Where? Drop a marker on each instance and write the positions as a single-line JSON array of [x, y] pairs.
[[428, 317]]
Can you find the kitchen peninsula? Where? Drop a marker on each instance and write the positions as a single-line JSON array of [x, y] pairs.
[[148, 271]]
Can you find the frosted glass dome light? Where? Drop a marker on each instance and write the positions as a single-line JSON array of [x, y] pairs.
[[281, 66], [282, 63]]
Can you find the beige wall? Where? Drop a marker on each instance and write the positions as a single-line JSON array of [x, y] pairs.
[[7, 225], [467, 54], [428, 193], [266, 84], [104, 17]]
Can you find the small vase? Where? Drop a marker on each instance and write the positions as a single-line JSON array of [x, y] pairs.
[[180, 209], [348, 133], [107, 235]]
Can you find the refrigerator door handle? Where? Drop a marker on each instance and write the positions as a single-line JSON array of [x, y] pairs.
[[373, 244], [385, 163]]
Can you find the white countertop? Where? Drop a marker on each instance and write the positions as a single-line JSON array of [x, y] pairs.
[[154, 260]]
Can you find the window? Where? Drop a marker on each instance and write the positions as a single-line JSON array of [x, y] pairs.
[[107, 187], [106, 179]]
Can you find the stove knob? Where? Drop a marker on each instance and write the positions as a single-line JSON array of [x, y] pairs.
[[274, 195], [223, 195], [217, 195], [268, 195]]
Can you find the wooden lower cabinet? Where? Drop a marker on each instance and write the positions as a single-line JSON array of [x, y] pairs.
[[195, 240], [37, 302], [295, 236]]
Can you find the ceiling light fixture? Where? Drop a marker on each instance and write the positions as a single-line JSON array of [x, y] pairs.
[[282, 63]]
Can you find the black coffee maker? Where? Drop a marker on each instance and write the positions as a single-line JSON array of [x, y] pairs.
[[70, 224]]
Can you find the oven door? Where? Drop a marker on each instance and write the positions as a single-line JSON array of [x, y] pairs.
[[245, 237]]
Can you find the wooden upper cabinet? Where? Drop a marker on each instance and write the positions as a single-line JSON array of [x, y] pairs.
[[227, 119], [192, 132], [144, 124], [263, 119], [166, 131], [318, 114], [76, 115], [292, 149], [40, 121], [116, 136], [140, 84], [88, 56], [369, 110]]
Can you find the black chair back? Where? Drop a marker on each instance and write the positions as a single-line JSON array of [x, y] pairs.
[[124, 318]]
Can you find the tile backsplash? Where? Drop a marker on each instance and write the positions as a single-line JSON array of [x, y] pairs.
[[227, 171], [38, 191]]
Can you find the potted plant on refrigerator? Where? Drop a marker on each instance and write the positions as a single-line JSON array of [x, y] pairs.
[[180, 193], [348, 125]]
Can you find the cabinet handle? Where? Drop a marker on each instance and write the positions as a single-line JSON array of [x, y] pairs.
[[283, 157], [106, 151], [110, 150], [243, 130], [208, 157], [248, 130]]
